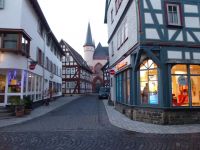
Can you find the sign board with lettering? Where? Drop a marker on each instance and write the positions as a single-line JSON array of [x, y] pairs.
[[123, 63]]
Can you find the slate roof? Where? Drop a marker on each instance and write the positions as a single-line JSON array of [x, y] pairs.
[[101, 52], [88, 40], [79, 59]]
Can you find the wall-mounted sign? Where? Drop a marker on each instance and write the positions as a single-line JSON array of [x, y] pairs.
[[121, 65], [32, 65], [112, 72]]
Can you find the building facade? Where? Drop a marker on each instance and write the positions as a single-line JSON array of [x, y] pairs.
[[106, 75], [76, 74], [154, 51], [96, 58], [30, 55]]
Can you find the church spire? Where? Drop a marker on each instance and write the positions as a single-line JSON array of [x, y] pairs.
[[89, 41]]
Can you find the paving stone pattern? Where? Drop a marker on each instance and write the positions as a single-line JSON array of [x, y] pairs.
[[83, 125]]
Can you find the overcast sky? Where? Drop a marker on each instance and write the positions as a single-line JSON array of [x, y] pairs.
[[69, 19]]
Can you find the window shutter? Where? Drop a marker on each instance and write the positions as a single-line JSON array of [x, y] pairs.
[[1, 4]]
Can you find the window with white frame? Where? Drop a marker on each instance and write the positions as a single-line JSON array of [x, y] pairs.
[[72, 70], [173, 14]]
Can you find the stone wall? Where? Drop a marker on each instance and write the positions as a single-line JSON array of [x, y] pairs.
[[161, 115]]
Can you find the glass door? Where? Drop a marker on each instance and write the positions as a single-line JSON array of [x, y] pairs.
[[2, 89]]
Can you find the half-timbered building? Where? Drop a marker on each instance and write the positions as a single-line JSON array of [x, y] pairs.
[[106, 75], [76, 74], [154, 48]]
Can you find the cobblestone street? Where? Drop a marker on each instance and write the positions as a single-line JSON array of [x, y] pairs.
[[83, 125]]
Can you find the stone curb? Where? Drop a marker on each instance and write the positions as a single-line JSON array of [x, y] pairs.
[[121, 121], [37, 112]]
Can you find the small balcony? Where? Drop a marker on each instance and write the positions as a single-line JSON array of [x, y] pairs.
[[15, 41]]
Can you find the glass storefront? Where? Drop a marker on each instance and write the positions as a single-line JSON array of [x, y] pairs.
[[149, 82], [185, 85], [123, 81]]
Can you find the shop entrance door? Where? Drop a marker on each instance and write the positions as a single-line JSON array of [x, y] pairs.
[[2, 89]]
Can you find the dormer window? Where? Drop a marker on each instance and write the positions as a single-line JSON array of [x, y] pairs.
[[173, 14]]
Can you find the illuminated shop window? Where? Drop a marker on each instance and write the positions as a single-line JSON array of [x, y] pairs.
[[185, 85], [149, 82], [14, 81], [2, 83]]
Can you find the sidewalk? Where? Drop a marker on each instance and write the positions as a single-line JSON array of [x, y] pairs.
[[39, 111], [121, 121]]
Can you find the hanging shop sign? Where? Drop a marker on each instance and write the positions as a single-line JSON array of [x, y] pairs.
[[112, 72], [32, 65]]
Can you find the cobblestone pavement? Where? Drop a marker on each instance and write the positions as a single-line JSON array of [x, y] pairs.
[[83, 125]]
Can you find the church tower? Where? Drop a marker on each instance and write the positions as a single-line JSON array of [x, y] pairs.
[[89, 47]]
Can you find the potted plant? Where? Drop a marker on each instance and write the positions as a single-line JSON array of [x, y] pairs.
[[18, 105], [27, 104]]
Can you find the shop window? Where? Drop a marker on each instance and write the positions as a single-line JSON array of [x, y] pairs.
[[14, 81], [2, 83], [149, 82], [25, 81], [119, 87], [185, 85]]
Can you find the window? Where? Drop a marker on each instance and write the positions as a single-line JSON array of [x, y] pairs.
[[10, 41], [39, 57], [15, 41], [117, 5], [119, 87], [47, 63], [72, 70], [41, 29], [149, 82], [174, 14], [1, 4], [25, 45], [125, 30], [14, 81], [111, 13], [122, 34], [185, 85], [112, 48]]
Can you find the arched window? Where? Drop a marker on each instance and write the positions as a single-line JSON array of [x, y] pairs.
[[149, 82], [97, 68], [185, 85]]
